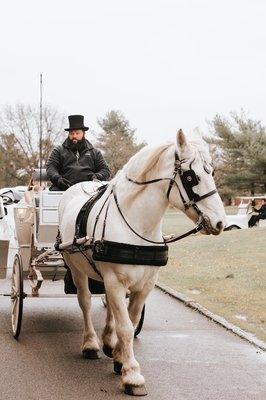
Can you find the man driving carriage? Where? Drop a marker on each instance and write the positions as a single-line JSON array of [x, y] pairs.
[[76, 160]]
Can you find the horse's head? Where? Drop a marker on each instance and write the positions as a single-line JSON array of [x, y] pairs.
[[193, 183], [184, 173]]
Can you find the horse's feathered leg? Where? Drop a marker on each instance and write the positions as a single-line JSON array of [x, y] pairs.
[[123, 354], [90, 342]]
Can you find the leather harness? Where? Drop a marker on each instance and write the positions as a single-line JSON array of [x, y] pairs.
[[123, 253]]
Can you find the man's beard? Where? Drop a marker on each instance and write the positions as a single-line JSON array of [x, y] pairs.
[[77, 145]]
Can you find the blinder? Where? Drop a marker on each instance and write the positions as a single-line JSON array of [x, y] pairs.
[[189, 179]]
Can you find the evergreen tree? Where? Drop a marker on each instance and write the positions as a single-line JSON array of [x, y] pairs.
[[117, 141], [240, 147]]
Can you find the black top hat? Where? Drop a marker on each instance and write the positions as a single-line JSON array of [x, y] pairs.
[[76, 122]]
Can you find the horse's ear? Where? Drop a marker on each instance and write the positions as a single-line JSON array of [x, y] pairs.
[[181, 139]]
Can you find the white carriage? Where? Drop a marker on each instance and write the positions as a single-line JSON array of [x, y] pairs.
[[36, 227], [35, 223]]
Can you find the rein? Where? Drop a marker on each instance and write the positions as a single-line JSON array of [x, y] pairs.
[[176, 238], [188, 178]]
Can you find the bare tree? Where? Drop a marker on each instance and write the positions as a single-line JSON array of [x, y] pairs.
[[20, 135]]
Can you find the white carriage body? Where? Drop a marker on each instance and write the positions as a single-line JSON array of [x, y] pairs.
[[36, 225], [8, 239], [48, 219]]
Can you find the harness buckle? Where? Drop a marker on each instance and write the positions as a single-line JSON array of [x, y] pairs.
[[177, 165]]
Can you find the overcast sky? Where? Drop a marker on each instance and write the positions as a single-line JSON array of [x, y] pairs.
[[164, 64]]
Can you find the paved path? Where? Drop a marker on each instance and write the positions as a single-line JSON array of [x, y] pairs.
[[183, 355]]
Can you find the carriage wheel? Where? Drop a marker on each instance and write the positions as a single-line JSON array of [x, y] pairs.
[[140, 324], [17, 296]]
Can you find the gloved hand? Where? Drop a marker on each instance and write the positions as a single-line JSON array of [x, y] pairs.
[[63, 183], [91, 176]]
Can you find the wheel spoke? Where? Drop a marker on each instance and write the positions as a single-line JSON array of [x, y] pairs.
[[14, 304]]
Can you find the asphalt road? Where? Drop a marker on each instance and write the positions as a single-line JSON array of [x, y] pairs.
[[183, 355]]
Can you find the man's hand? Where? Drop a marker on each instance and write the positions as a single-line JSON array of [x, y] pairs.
[[63, 183], [91, 177]]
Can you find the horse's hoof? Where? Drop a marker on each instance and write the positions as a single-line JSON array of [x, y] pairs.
[[91, 354], [108, 351], [118, 367], [136, 390]]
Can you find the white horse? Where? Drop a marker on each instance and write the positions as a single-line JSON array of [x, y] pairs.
[[130, 212]]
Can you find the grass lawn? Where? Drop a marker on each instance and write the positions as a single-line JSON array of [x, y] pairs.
[[225, 273]]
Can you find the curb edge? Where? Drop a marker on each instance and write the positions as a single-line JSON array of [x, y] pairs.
[[214, 317]]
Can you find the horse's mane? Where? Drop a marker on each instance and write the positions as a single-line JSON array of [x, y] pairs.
[[139, 167], [146, 161]]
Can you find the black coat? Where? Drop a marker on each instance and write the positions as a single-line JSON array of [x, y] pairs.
[[261, 211], [88, 165]]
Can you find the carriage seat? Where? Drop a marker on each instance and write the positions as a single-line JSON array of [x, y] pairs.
[[48, 218]]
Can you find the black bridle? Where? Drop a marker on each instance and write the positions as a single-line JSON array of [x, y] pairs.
[[189, 179]]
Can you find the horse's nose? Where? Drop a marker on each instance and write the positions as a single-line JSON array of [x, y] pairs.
[[219, 226]]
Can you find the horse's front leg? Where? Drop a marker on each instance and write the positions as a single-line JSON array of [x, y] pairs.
[[137, 300], [123, 354], [109, 337], [136, 304], [90, 342]]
